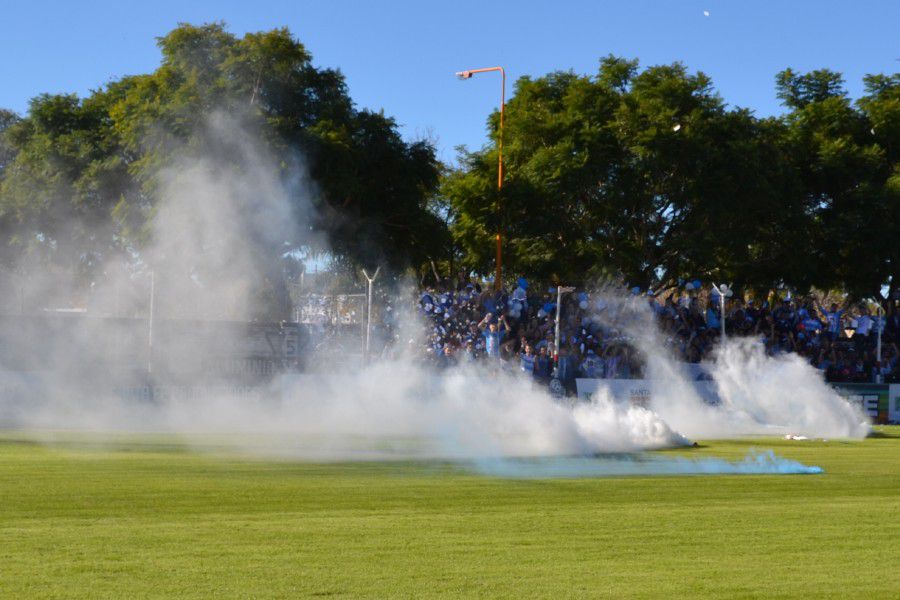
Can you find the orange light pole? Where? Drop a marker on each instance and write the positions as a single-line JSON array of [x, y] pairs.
[[468, 75]]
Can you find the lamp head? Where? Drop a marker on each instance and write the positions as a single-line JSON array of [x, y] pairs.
[[464, 74]]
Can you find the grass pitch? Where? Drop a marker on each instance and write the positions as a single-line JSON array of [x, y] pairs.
[[149, 518]]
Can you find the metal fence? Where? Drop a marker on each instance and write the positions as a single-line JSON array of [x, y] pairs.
[[337, 326], [127, 326]]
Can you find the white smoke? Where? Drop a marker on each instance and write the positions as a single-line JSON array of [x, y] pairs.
[[784, 394], [226, 213], [220, 220], [224, 209], [391, 409], [752, 393]]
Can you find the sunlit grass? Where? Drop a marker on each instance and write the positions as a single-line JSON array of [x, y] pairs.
[[148, 516]]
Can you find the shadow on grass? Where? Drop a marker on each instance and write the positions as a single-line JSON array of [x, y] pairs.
[[889, 432]]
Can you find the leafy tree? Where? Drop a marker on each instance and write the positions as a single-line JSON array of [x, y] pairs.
[[648, 175], [374, 186], [634, 173], [881, 108], [56, 194], [798, 91], [843, 171], [86, 174], [7, 153], [644, 174]]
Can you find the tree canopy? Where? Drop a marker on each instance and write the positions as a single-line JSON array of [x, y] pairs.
[[641, 173], [649, 175], [79, 176]]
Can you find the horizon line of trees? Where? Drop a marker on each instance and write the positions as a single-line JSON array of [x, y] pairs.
[[649, 176], [642, 174]]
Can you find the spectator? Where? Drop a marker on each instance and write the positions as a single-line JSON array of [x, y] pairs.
[[448, 359], [469, 354], [519, 326], [833, 319], [526, 361], [566, 370], [542, 365], [863, 325], [493, 334], [592, 366]]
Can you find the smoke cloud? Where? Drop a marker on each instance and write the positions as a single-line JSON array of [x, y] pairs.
[[392, 409], [227, 213], [750, 393]]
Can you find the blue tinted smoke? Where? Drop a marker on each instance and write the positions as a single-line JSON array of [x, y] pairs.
[[576, 467]]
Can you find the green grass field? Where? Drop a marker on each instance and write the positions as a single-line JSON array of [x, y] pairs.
[[149, 518]]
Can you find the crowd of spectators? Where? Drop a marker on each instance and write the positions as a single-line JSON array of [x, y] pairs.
[[597, 331]]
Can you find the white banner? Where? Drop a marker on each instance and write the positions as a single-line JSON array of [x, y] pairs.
[[894, 403], [637, 391]]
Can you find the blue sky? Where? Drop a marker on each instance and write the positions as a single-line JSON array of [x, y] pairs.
[[401, 55]]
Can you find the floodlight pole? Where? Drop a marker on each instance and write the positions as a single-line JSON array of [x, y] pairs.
[[722, 314], [880, 311], [721, 291], [467, 74], [560, 290], [371, 280]]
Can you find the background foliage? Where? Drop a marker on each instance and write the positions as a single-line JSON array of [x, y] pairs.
[[643, 174], [651, 176], [80, 176]]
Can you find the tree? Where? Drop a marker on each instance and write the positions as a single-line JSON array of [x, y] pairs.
[[648, 175], [374, 186], [843, 170], [881, 108], [87, 173], [798, 91], [7, 153], [56, 194], [635, 173]]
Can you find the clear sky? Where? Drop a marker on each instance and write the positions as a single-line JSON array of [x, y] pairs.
[[401, 55]]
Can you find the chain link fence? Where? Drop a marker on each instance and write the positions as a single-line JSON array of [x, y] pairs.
[[336, 325]]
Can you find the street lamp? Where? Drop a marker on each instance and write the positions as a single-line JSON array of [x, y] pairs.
[[468, 75], [371, 280], [879, 319], [556, 386], [723, 291], [560, 290]]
